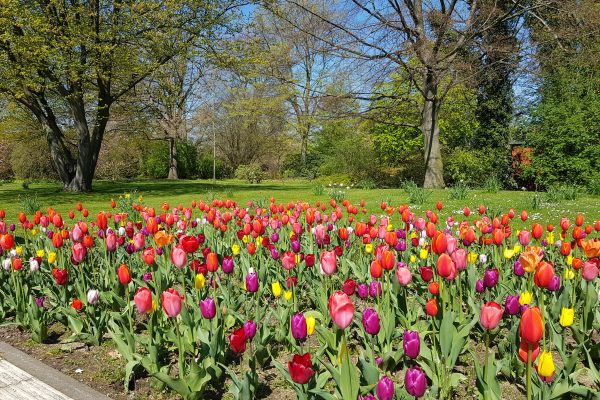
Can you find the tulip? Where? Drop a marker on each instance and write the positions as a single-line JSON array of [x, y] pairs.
[[370, 321], [298, 326], [511, 305], [171, 302], [148, 255], [341, 309], [385, 389], [491, 277], [518, 269], [403, 275], [328, 263], [446, 267], [531, 327], [276, 289], [77, 304], [415, 382], [288, 260], [375, 289], [79, 251], [227, 265], [199, 281], [545, 367], [490, 315], [411, 343], [238, 340], [60, 276], [567, 315], [554, 284], [189, 244], [431, 308], [363, 291], [310, 325], [543, 274], [178, 256], [208, 308], [143, 300], [212, 261], [300, 368], [123, 274], [590, 269], [249, 329], [523, 349], [479, 286], [93, 296], [349, 287], [252, 282]]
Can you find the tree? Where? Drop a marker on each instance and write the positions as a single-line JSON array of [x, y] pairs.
[[70, 62], [429, 41]]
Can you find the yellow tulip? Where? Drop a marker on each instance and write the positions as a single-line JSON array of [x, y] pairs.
[[310, 325], [390, 227], [154, 305], [288, 295], [292, 234], [569, 274], [413, 234], [199, 281], [508, 253], [550, 238], [423, 254], [546, 365], [517, 248], [276, 288], [567, 315], [19, 250], [246, 239], [413, 258], [34, 232], [525, 298], [298, 259], [51, 257], [258, 242], [40, 253], [570, 261], [235, 249], [369, 248], [472, 258]]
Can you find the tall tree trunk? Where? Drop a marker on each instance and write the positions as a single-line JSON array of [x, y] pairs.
[[172, 159], [434, 167]]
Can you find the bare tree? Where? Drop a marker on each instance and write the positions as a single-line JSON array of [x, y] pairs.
[[429, 40]]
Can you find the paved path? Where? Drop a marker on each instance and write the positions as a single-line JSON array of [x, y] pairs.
[[25, 378]]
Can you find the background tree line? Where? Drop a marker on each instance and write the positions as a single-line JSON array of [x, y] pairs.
[[370, 93]]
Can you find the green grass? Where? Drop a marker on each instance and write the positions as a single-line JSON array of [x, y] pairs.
[[12, 196]]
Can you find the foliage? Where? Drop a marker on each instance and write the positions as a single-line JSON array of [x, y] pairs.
[[6, 171], [156, 165], [120, 157], [250, 172], [318, 189], [470, 166], [293, 167], [30, 204], [415, 193], [492, 185], [556, 193], [28, 162], [205, 168], [458, 191]]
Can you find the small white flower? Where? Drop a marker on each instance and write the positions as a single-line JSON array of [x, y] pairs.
[[122, 231], [93, 296], [13, 253], [422, 242], [6, 264], [34, 265], [482, 258], [251, 270]]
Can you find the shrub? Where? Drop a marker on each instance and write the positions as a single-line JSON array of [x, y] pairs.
[[557, 193], [29, 204], [6, 171], [337, 194], [250, 172], [473, 167], [318, 189], [205, 168], [492, 185], [28, 162], [120, 158], [156, 165], [593, 186]]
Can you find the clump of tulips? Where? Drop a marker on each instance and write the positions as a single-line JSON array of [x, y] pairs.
[[343, 303]]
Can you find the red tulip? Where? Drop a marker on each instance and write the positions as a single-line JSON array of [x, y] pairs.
[[7, 241], [212, 262], [431, 308], [376, 269], [288, 260], [77, 304], [426, 273], [537, 231], [531, 327], [171, 302], [388, 260], [123, 274], [238, 340], [189, 244], [60, 276], [543, 274], [439, 243], [524, 347], [490, 315], [148, 255], [446, 267], [301, 369], [341, 309]]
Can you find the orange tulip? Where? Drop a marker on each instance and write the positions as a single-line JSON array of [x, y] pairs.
[[439, 243], [531, 327], [530, 258], [524, 347], [388, 260], [543, 274], [591, 248], [446, 267]]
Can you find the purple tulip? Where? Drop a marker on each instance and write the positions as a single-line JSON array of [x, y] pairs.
[[378, 360], [194, 223], [518, 269], [147, 276], [401, 234], [491, 277], [298, 325], [363, 291], [366, 397], [296, 246], [544, 243], [249, 329], [158, 220], [12, 227], [208, 308], [511, 305], [252, 282], [39, 301], [479, 287], [375, 289], [385, 389], [554, 284], [129, 248], [227, 265], [49, 233], [415, 382], [370, 321], [274, 237], [401, 245], [159, 251], [274, 254], [411, 343]]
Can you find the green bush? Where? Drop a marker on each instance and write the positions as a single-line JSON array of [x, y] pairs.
[[416, 194], [156, 165], [6, 171], [120, 157], [459, 191], [30, 159], [293, 167], [205, 168], [250, 172], [470, 166]]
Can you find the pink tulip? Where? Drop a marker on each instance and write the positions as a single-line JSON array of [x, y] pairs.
[[403, 275], [288, 260], [171, 302], [490, 315], [178, 256], [328, 262], [79, 252], [138, 241], [459, 256], [111, 242], [341, 309], [143, 300], [590, 269]]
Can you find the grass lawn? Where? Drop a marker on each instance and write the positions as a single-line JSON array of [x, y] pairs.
[[13, 195]]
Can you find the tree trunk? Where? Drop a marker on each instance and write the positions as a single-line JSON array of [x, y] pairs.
[[434, 167], [172, 159]]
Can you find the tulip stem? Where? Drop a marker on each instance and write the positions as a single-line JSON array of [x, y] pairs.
[[529, 371], [181, 351], [487, 345], [543, 318]]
